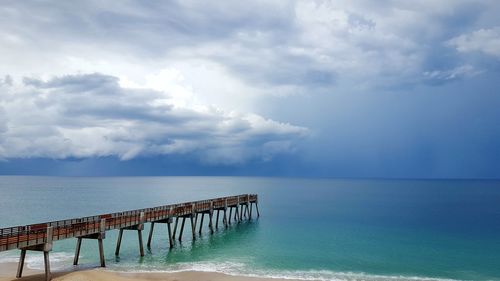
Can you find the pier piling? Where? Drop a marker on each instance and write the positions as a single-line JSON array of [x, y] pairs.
[[119, 242], [201, 223], [141, 247], [46, 247], [101, 252], [210, 215], [20, 266], [217, 220], [150, 236], [241, 211], [167, 221], [182, 228], [224, 219], [96, 236], [137, 227], [193, 227], [236, 214], [170, 237], [46, 261], [175, 227], [77, 251]]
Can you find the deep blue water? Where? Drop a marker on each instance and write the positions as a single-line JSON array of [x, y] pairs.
[[309, 228]]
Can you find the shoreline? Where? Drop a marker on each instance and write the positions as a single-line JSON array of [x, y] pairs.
[[8, 273]]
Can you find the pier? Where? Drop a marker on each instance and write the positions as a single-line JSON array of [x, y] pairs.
[[41, 236]]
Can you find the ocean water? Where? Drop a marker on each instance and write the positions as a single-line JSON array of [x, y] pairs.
[[327, 229]]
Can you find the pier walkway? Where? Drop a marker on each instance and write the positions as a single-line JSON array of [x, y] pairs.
[[40, 237]]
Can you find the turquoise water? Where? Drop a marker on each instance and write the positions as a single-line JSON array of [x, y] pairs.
[[323, 229]]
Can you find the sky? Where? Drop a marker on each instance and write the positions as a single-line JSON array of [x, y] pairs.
[[369, 89]]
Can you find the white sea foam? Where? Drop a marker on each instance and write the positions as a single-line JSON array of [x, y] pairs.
[[240, 269], [34, 260], [63, 260]]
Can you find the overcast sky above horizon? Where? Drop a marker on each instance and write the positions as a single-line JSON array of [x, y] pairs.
[[406, 89]]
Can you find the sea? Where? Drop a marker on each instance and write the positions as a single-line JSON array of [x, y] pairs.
[[310, 229]]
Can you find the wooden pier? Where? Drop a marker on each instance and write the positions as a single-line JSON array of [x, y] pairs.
[[40, 237]]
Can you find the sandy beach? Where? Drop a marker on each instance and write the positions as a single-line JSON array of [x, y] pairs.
[[8, 273]]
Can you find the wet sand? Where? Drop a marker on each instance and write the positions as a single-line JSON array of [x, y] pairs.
[[8, 273]]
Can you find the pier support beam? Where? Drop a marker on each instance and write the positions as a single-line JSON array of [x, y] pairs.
[[170, 237], [141, 245], [210, 215], [236, 214], [167, 221], [20, 266], [119, 243], [238, 211], [242, 211], [201, 222], [150, 236], [101, 252], [46, 261], [182, 228], [248, 206], [77, 251], [45, 248], [224, 219], [192, 219], [139, 227], [96, 236], [256, 209], [217, 220], [250, 215], [175, 227], [193, 227]]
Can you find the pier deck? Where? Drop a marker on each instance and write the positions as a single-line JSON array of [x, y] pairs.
[[40, 236]]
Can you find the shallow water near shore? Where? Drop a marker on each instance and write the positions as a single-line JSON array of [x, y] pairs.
[[327, 229]]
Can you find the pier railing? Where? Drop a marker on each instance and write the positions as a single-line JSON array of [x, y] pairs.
[[36, 234]]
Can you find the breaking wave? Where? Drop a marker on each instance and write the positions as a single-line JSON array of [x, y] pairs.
[[241, 269]]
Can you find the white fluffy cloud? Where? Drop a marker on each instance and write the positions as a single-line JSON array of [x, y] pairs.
[[486, 41], [91, 115]]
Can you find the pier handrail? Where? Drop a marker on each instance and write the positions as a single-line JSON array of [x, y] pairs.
[[17, 237]]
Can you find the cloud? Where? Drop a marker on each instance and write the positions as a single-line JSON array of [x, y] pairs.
[[486, 41], [265, 48], [91, 115], [172, 77], [442, 76]]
